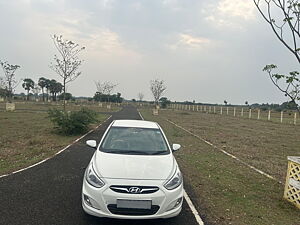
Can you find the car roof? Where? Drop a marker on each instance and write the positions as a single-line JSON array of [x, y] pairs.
[[135, 123]]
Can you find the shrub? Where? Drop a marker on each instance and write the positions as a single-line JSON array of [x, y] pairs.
[[75, 122]]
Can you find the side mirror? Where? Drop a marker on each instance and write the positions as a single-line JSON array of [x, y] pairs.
[[176, 147], [91, 143]]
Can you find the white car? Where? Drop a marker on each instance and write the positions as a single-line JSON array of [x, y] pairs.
[[133, 173]]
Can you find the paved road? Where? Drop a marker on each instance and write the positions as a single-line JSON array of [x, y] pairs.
[[50, 193]]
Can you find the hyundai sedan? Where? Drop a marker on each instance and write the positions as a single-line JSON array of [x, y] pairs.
[[133, 173]]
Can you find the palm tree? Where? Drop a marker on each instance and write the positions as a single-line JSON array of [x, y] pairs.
[[28, 84], [42, 83], [47, 86], [55, 88]]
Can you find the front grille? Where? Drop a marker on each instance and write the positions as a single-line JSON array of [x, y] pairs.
[[132, 212], [134, 189]]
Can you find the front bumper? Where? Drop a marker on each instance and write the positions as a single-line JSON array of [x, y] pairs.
[[102, 202]]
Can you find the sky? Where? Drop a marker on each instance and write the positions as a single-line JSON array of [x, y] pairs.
[[208, 51]]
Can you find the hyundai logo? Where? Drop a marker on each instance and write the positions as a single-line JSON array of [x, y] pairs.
[[134, 190]]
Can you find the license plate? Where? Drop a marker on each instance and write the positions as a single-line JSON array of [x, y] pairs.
[[134, 204]]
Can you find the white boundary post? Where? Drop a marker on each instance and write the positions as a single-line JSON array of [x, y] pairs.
[[193, 108], [197, 108], [214, 109], [205, 108], [250, 112], [221, 111], [269, 115], [281, 117], [295, 118], [227, 110], [189, 107], [209, 109], [242, 112], [234, 111], [258, 114]]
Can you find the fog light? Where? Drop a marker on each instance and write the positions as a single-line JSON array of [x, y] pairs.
[[91, 202], [175, 204], [178, 202], [87, 200]]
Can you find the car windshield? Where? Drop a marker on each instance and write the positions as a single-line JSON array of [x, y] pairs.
[[128, 140]]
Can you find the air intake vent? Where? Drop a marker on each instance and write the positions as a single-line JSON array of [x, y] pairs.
[[132, 212]]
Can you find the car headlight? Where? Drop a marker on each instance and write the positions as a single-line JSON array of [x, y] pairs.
[[92, 178], [174, 181]]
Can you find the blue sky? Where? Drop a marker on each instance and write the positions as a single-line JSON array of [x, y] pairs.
[[207, 51]]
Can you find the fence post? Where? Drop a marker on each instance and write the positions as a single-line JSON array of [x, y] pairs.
[[234, 111], [197, 108], [258, 114], [227, 110], [214, 109], [189, 107], [295, 118], [209, 109], [242, 112], [281, 116], [250, 110], [221, 110], [205, 108], [193, 108], [269, 115]]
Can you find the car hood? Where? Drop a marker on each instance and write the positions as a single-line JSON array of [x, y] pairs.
[[119, 166]]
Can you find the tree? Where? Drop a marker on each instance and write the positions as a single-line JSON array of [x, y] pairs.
[[67, 63], [47, 86], [55, 88], [105, 88], [67, 97], [9, 78], [246, 103], [164, 102], [36, 90], [157, 87], [140, 96], [28, 84], [225, 102], [286, 27], [43, 83]]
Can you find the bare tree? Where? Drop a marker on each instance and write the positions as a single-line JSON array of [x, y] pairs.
[[67, 63], [140, 96], [283, 16], [105, 88], [9, 78], [157, 87]]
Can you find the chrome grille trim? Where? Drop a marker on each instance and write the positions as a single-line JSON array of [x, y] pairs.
[[126, 189]]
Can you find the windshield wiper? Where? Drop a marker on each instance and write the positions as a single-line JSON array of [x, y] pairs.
[[158, 153], [126, 152]]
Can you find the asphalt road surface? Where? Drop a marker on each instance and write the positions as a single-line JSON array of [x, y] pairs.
[[50, 193]]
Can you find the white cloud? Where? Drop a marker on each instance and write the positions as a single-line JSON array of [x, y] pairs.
[[188, 41], [243, 9], [230, 13], [74, 25]]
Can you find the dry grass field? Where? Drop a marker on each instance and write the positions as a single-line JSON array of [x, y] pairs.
[[40, 106], [27, 136], [223, 189]]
